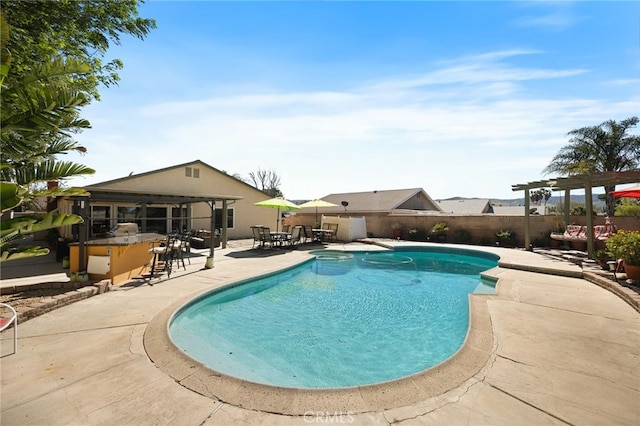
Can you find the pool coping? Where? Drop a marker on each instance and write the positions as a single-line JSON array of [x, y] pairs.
[[470, 358]]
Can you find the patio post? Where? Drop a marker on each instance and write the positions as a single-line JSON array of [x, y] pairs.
[[527, 233], [209, 262], [223, 232], [588, 199]]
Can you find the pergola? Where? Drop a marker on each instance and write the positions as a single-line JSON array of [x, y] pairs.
[[585, 181], [81, 206]]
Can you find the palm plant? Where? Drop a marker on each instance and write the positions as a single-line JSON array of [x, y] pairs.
[[39, 114], [604, 148]]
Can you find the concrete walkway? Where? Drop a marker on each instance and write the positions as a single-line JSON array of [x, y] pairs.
[[562, 351]]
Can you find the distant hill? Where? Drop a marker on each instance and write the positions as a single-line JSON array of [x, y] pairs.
[[597, 202]]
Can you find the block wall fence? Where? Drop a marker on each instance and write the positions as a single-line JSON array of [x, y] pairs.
[[482, 228]]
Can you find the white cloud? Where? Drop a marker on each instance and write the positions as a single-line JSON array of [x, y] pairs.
[[557, 16], [466, 128]]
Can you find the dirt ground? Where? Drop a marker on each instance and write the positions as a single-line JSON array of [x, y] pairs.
[[26, 298]]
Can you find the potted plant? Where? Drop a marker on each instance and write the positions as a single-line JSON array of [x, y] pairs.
[[602, 256], [625, 245], [439, 231], [551, 241], [397, 230]]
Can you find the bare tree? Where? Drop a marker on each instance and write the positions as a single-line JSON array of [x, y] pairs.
[[266, 181]]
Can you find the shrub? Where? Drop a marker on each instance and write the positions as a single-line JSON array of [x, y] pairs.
[[625, 245], [505, 238], [417, 234], [461, 236], [439, 228]]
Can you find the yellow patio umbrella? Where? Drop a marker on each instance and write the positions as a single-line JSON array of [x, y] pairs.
[[316, 203], [278, 203]]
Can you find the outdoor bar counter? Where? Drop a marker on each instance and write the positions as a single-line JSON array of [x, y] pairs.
[[117, 258]]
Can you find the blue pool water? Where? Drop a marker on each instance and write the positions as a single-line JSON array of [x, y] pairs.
[[337, 321]]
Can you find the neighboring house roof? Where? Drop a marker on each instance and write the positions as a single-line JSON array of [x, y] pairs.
[[381, 201], [511, 210], [466, 206]]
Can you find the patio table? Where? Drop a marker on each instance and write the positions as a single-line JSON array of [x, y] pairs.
[[321, 234], [280, 237]]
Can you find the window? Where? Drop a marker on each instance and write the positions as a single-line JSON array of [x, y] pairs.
[[129, 214], [187, 171], [180, 222], [196, 173], [230, 215], [157, 220], [100, 220]]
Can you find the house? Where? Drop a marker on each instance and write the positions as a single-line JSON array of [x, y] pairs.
[[515, 210], [463, 206], [473, 206], [387, 201], [176, 198]]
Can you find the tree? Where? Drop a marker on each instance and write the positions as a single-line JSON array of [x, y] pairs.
[[607, 147], [39, 113], [628, 207], [50, 67], [235, 175], [541, 194], [71, 29], [266, 181]]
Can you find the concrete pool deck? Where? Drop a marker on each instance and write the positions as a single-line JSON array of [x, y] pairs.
[[559, 350]]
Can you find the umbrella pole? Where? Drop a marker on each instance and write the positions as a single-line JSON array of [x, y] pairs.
[[278, 220]]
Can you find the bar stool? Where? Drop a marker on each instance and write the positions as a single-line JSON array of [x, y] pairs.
[[177, 252]]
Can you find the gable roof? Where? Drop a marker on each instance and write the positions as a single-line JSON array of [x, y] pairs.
[[466, 206], [382, 201], [177, 166]]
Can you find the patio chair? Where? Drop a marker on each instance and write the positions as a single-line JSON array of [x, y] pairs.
[[7, 320], [186, 245], [307, 234], [266, 237], [257, 235], [296, 235], [163, 257], [178, 248], [332, 234]]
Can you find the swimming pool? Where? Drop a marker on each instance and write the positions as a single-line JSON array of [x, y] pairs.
[[338, 321]]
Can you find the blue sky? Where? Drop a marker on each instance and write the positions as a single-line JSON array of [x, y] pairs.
[[458, 98]]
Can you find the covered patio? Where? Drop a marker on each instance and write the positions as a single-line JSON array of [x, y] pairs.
[[586, 182], [81, 205]]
